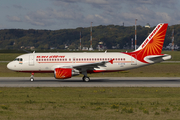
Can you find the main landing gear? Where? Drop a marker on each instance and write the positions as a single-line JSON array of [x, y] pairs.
[[86, 79], [32, 77]]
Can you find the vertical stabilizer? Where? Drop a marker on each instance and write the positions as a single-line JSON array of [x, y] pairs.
[[153, 44]]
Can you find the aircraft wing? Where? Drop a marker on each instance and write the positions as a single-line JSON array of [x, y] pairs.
[[85, 66], [92, 65]]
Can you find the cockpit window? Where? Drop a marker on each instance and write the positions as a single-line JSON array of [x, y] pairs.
[[18, 59]]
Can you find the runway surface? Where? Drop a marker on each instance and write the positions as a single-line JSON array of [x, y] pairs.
[[95, 82]]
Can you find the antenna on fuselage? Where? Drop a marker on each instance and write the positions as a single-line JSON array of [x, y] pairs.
[[33, 51]]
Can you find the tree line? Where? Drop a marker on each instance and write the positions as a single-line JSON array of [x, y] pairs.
[[110, 35]]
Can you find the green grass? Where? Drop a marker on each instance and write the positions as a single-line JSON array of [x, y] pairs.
[[8, 56], [89, 103], [92, 103], [156, 70], [175, 55]]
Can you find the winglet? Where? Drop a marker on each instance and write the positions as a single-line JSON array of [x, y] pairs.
[[111, 61]]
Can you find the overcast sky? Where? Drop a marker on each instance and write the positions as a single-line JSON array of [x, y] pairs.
[[65, 14]]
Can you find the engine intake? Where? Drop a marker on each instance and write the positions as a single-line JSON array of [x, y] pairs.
[[64, 73]]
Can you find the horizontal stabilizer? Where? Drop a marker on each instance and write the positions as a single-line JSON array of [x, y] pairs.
[[157, 58]]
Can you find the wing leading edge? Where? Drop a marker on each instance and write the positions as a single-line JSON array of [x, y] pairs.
[[92, 65]]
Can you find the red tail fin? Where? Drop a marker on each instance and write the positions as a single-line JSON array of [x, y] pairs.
[[153, 43]]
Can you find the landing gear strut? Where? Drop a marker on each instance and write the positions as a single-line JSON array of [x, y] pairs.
[[32, 77]]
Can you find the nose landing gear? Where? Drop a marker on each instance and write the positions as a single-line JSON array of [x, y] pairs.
[[32, 77]]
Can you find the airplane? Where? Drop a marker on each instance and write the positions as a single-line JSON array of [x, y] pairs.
[[65, 65]]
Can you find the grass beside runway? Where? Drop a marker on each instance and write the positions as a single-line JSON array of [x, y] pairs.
[[156, 70], [9, 56], [93, 103], [89, 103]]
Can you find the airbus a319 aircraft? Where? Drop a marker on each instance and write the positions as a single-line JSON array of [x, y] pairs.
[[66, 65]]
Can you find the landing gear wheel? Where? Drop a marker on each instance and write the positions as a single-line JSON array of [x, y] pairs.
[[86, 79], [31, 79]]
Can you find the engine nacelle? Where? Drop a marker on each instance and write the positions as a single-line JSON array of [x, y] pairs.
[[64, 73]]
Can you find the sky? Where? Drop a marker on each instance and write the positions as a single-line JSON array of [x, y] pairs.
[[70, 14]]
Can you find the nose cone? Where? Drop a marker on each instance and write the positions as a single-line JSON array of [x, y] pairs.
[[10, 66]]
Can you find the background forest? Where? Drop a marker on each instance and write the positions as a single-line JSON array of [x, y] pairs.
[[110, 35]]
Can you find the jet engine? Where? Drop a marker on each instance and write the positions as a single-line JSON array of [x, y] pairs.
[[64, 73]]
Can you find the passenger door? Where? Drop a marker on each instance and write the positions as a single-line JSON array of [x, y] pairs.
[[31, 60]]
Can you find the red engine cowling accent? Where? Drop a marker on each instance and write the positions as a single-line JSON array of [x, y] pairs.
[[62, 73]]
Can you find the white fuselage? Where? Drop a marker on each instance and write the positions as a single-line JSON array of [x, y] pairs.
[[47, 62]]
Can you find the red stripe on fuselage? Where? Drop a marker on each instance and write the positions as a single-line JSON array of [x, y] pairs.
[[89, 71]]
